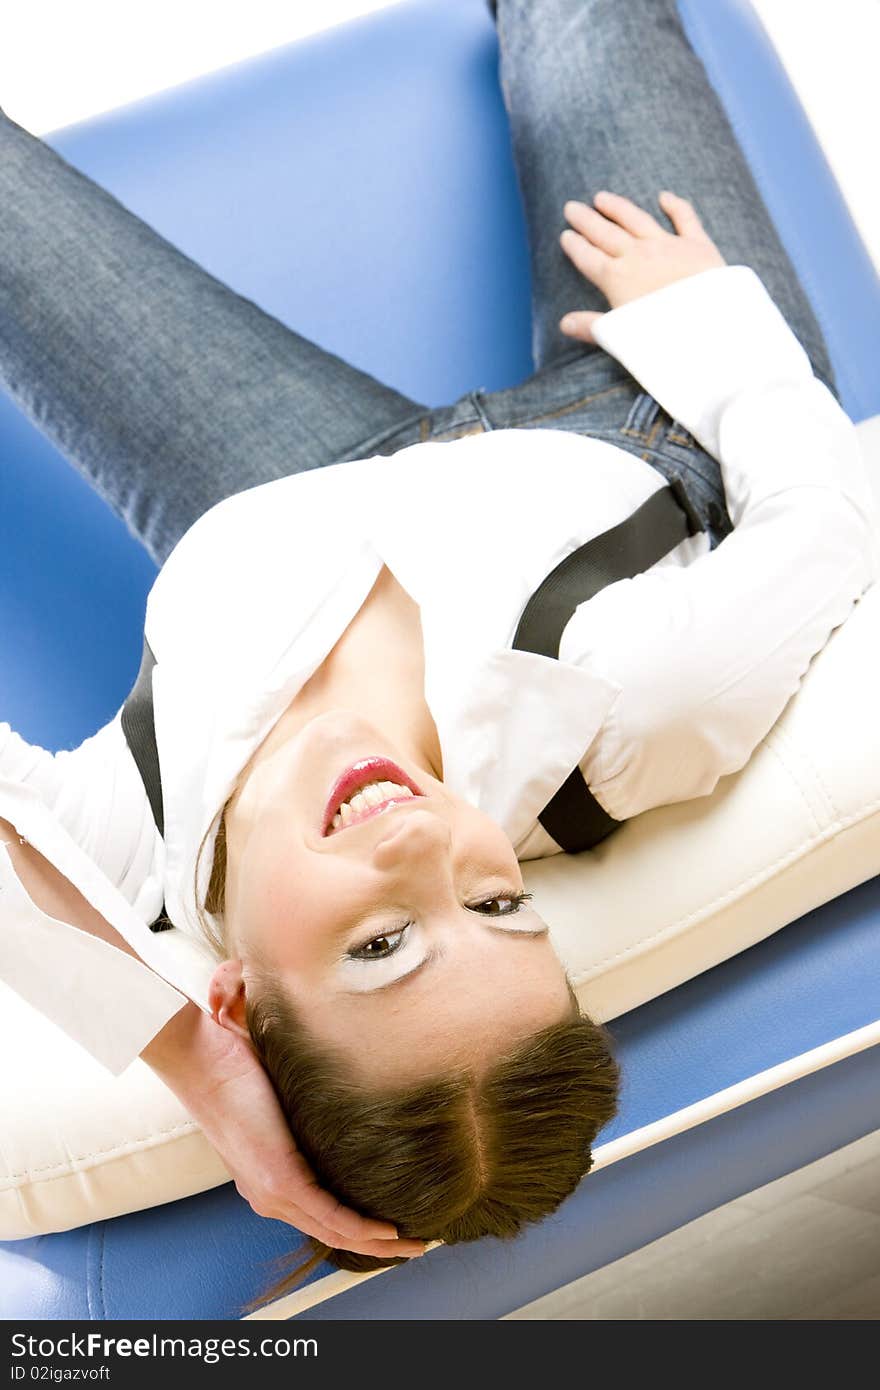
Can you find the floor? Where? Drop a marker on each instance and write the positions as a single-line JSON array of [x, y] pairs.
[[804, 1247]]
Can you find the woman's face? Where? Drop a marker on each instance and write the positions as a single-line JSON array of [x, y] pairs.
[[399, 939]]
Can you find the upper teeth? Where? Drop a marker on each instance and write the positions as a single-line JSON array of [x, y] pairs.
[[368, 796]]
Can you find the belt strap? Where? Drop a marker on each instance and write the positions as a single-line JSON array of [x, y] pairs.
[[139, 727], [573, 816]]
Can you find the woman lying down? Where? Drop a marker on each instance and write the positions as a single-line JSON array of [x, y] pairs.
[[352, 753]]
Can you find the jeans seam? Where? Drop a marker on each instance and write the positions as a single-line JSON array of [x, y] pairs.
[[754, 155], [369, 446], [572, 405], [457, 432]]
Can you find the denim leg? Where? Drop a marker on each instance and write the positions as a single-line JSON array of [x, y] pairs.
[[610, 94], [163, 387]]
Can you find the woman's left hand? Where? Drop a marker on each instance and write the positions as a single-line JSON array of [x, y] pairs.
[[625, 252]]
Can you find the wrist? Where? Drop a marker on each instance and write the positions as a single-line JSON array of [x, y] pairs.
[[174, 1037], [192, 1051]]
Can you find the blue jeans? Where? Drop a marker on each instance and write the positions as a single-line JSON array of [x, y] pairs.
[[169, 392]]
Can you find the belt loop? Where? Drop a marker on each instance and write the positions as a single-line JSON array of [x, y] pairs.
[[480, 409], [643, 413]]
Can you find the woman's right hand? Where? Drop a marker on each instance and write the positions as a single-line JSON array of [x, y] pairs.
[[222, 1084], [622, 250]]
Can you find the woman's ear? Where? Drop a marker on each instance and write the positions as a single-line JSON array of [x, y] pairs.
[[226, 997]]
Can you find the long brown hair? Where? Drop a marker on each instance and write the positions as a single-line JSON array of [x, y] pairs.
[[454, 1158]]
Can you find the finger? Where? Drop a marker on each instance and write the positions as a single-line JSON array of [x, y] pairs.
[[592, 263], [628, 214], [303, 1187], [597, 229], [327, 1209], [580, 324], [681, 214], [403, 1249], [349, 1223]]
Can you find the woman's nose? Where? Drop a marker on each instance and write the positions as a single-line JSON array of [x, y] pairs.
[[417, 832]]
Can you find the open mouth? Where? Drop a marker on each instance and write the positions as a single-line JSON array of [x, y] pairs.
[[367, 788]]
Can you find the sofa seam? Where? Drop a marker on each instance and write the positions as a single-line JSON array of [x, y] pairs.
[[780, 737], [82, 1164], [778, 753], [103, 1247]]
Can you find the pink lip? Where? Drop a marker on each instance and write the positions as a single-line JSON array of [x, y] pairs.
[[357, 776]]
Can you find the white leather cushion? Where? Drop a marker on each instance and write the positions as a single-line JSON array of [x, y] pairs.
[[670, 894]]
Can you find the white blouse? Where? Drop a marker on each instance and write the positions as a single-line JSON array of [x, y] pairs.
[[665, 682]]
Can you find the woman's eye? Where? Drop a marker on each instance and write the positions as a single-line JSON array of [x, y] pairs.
[[381, 947], [514, 902]]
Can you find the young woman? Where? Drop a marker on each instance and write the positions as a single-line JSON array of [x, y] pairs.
[[354, 760]]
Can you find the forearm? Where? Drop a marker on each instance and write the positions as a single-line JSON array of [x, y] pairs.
[[190, 1050]]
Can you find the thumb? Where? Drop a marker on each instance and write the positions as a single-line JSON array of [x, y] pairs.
[[580, 324]]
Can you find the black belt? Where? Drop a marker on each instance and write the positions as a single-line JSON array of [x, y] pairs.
[[573, 817], [139, 727]]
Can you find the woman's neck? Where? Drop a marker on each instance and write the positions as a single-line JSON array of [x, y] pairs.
[[377, 667]]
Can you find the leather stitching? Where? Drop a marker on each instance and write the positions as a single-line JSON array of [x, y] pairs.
[[190, 1127], [794, 772], [777, 740], [103, 1303]]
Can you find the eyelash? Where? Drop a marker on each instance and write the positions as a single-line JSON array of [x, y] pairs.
[[361, 953]]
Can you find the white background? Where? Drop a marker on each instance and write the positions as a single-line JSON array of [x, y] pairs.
[[62, 61]]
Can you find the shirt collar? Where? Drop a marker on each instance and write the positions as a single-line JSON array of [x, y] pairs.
[[512, 727]]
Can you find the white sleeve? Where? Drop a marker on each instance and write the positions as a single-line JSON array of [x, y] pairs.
[[708, 654], [96, 794], [82, 810]]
